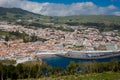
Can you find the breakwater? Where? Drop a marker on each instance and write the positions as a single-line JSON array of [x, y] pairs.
[[90, 54]]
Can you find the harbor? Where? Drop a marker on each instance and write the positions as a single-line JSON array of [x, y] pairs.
[[60, 61], [79, 54], [90, 54]]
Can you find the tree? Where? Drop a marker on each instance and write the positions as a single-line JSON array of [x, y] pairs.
[[1, 71], [72, 67], [7, 38], [33, 38]]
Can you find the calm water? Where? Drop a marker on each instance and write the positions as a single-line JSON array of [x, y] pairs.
[[57, 61]]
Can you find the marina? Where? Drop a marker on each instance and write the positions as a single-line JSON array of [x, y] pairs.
[[63, 59]]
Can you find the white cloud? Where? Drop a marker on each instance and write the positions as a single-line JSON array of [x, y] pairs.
[[53, 9], [117, 13]]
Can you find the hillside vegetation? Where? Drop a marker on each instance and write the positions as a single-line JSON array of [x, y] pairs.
[[93, 76], [102, 22], [74, 71], [12, 14], [16, 13], [91, 18]]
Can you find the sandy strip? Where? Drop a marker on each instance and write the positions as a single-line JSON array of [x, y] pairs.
[[45, 55]]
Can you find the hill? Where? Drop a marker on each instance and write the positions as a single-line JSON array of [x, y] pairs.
[[91, 18], [17, 13], [102, 22], [11, 14], [92, 76]]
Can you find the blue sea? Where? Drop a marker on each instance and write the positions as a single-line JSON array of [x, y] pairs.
[[57, 61]]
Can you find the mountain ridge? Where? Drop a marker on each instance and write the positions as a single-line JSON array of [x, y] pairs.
[[13, 14]]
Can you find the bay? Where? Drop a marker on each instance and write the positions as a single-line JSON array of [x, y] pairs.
[[58, 61]]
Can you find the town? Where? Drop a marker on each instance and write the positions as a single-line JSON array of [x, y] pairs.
[[81, 39]]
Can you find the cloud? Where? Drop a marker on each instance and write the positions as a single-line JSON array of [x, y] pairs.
[[53, 9], [117, 13]]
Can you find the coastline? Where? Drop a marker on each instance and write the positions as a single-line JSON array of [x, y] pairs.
[[86, 55], [95, 58], [76, 56], [45, 56]]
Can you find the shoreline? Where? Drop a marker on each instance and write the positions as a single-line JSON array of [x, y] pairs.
[[83, 58], [45, 55], [89, 55], [89, 58]]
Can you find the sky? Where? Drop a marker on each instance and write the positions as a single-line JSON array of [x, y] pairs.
[[66, 7], [97, 2]]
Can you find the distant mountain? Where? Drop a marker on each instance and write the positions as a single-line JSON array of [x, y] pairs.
[[16, 13], [102, 22], [11, 14]]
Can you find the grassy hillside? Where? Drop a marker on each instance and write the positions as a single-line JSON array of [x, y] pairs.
[[16, 13], [11, 14], [93, 76], [102, 22], [91, 18]]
